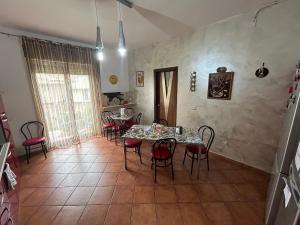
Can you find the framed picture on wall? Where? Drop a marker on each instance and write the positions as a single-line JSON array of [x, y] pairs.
[[140, 78], [220, 85]]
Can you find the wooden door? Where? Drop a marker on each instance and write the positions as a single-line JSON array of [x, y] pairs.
[[165, 94]]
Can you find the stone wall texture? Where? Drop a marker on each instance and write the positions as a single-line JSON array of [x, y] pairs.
[[247, 126]]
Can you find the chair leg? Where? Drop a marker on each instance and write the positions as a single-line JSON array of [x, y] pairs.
[[27, 155], [125, 157], [139, 152], [44, 150], [172, 169], [207, 160], [184, 157], [154, 170], [193, 157]]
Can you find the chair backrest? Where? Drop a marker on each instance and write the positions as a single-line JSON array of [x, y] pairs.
[[207, 134], [137, 119], [106, 116], [167, 143], [162, 122], [32, 129], [7, 133], [129, 111]]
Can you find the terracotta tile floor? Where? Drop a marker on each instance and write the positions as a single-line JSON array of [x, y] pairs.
[[88, 184]]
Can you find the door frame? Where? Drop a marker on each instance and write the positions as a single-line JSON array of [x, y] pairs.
[[157, 72]]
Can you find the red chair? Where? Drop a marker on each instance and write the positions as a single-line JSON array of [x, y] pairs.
[[107, 123], [163, 151], [132, 143], [162, 122], [194, 151], [133, 121], [33, 132], [11, 154]]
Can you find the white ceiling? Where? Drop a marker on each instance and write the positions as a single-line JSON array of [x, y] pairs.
[[148, 22]]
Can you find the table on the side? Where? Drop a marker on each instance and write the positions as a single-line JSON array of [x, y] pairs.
[[146, 132]]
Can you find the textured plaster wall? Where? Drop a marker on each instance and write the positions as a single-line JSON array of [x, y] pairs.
[[248, 126]]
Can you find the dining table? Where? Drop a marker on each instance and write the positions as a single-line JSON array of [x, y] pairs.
[[154, 133]]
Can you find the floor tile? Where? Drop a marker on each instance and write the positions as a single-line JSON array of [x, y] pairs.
[[228, 192], [249, 192], [143, 214], [38, 197], [144, 194], [80, 196], [125, 178], [165, 194], [66, 167], [118, 215], [90, 180], [218, 213], [192, 214], [123, 194], [69, 215], [81, 168], [108, 179], [243, 214], [102, 195], [93, 215], [186, 193], [60, 196], [97, 168], [208, 193], [168, 214], [113, 167], [44, 215], [25, 213], [72, 180]]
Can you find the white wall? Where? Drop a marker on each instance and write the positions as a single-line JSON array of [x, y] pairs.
[[113, 63], [247, 126], [15, 84]]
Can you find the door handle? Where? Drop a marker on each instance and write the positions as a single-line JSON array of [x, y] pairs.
[[158, 105]]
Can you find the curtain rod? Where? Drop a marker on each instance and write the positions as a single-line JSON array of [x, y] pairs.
[[54, 42]]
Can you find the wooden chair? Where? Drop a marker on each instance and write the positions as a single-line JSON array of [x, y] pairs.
[[33, 139], [129, 111], [162, 122], [137, 118], [132, 143], [107, 122], [162, 154], [194, 151]]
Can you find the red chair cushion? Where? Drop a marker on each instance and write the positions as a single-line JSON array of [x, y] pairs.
[[34, 141], [107, 124], [194, 148], [161, 153], [129, 124], [132, 143]]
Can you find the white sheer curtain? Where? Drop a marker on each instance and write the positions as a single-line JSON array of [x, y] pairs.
[[66, 87]]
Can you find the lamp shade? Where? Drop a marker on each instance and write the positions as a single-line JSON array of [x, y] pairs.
[[99, 43], [122, 43]]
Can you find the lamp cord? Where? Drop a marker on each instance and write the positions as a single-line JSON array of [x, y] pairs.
[[119, 12], [97, 16]]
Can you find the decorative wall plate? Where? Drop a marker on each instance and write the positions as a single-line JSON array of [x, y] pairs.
[[113, 79]]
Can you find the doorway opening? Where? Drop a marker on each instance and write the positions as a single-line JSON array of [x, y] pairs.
[[165, 94]]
